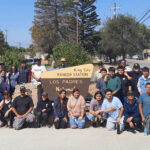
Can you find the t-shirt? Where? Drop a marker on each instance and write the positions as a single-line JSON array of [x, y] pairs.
[[145, 100], [115, 103], [38, 70], [100, 84], [95, 105], [22, 104]]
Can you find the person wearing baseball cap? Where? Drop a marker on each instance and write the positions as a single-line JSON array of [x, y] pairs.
[[22, 107], [63, 63], [37, 71], [43, 110], [131, 113], [134, 76], [112, 82]]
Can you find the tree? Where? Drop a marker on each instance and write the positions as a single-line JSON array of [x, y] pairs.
[[88, 21], [121, 36], [52, 24], [74, 54]]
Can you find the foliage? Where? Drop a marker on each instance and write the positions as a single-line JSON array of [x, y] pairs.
[[74, 54]]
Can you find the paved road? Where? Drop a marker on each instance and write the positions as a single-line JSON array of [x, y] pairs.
[[68, 139], [143, 63]]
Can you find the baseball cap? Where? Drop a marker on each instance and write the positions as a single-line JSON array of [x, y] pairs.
[[136, 65], [44, 94], [22, 88]]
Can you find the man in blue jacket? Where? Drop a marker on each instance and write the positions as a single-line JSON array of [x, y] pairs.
[[131, 114]]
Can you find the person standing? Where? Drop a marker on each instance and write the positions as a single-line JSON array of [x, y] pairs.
[[76, 107], [53, 66], [112, 82], [145, 78], [22, 107], [63, 63], [60, 110], [37, 71], [144, 107]]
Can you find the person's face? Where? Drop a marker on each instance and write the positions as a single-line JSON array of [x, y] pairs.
[[6, 95], [123, 63], [13, 69], [3, 73], [63, 63], [23, 65], [136, 69], [130, 98], [53, 64], [62, 95], [120, 71], [44, 98], [100, 66], [76, 94], [38, 62], [146, 73], [148, 89], [22, 93], [98, 97], [111, 73], [103, 73], [108, 95]]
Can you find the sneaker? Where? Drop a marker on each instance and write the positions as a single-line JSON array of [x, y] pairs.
[[94, 124], [3, 124], [131, 130]]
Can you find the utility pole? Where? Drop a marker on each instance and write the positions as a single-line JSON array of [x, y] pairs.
[[6, 35], [115, 9]]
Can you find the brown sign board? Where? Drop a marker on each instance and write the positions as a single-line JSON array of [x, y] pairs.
[[67, 79]]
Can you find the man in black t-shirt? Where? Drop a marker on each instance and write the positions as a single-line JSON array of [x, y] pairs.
[[22, 107]]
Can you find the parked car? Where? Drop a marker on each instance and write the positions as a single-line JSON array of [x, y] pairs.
[[140, 57]]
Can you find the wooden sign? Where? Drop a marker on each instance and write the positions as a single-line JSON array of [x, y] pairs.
[[67, 79]]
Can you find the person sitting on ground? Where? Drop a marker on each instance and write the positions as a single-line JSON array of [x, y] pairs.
[[112, 110], [4, 82], [43, 111], [22, 107], [14, 76], [53, 66], [132, 117], [134, 76], [95, 115], [100, 82], [6, 113], [144, 107], [125, 84], [76, 107], [112, 82], [60, 110], [37, 71], [24, 73], [145, 78], [63, 63]]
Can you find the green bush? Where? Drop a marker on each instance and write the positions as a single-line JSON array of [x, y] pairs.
[[74, 54], [11, 58]]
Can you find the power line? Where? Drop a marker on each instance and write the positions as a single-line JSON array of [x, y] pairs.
[[145, 19], [144, 16]]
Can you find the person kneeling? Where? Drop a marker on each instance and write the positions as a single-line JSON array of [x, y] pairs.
[[60, 110], [131, 113], [113, 109], [43, 111], [6, 113], [95, 114], [76, 107], [22, 107]]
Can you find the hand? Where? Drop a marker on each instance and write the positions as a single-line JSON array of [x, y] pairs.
[[118, 120], [97, 112], [65, 119], [19, 116], [72, 117], [140, 92], [56, 119], [129, 119], [23, 116], [100, 117], [129, 78], [143, 119], [80, 118], [43, 110]]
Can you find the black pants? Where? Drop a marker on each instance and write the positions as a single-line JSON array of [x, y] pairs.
[[60, 124], [136, 121], [9, 118], [41, 118]]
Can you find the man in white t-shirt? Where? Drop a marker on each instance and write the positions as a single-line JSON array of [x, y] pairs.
[[37, 71]]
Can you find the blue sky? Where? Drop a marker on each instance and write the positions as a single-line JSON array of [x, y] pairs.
[[16, 16]]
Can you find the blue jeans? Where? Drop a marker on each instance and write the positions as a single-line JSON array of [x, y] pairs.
[[75, 122]]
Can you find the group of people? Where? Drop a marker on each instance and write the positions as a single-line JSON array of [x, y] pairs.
[[122, 101]]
